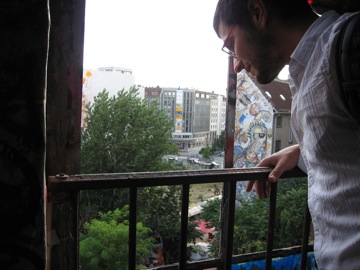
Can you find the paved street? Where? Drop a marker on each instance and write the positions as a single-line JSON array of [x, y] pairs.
[[195, 150]]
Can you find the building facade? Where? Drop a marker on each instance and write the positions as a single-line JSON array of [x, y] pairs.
[[217, 116], [198, 116], [113, 79]]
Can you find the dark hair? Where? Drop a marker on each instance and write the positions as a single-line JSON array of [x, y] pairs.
[[233, 12], [230, 12]]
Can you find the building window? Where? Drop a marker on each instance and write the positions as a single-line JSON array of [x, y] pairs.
[[277, 145], [291, 139], [279, 121]]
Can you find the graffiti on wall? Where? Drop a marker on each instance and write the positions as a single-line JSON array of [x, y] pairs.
[[253, 128]]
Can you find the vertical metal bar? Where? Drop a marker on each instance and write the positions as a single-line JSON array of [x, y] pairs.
[[184, 225], [271, 227], [305, 239], [132, 228], [229, 189], [230, 225]]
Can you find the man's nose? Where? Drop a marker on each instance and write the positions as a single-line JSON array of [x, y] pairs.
[[238, 66]]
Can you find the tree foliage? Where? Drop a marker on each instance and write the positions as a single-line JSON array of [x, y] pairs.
[[104, 246], [290, 211], [161, 211], [251, 219], [219, 143], [211, 213], [124, 134], [206, 152]]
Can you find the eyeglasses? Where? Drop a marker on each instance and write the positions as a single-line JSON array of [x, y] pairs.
[[225, 48]]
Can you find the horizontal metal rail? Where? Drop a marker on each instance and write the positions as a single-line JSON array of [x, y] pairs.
[[134, 180], [236, 259], [63, 182]]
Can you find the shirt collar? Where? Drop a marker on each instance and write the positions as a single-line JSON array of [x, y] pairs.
[[303, 52], [307, 44]]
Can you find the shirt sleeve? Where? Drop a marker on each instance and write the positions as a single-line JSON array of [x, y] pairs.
[[301, 164]]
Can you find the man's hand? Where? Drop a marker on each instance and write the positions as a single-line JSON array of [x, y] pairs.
[[281, 161]]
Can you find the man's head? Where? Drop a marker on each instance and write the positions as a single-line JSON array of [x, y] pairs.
[[261, 34]]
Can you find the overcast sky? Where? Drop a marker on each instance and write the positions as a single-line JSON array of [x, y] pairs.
[[167, 43]]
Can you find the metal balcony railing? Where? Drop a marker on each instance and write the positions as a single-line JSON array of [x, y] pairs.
[[229, 177]]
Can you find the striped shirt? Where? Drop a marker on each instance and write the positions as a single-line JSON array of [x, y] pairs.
[[329, 140]]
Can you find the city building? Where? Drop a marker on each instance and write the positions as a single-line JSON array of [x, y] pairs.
[[279, 95], [113, 79], [217, 116], [198, 116]]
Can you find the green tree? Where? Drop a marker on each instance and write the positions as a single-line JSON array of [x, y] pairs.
[[251, 219], [290, 212], [219, 143], [105, 247], [161, 211], [206, 152], [124, 134], [211, 213], [250, 225]]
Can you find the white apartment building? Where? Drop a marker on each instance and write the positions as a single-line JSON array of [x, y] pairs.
[[217, 116], [113, 79]]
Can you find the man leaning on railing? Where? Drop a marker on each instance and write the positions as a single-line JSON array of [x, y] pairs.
[[264, 36]]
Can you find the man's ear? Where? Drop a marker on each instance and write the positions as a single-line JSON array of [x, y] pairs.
[[258, 13]]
